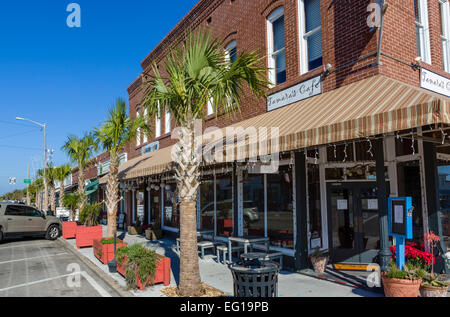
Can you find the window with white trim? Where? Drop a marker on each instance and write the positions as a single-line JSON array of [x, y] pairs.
[[276, 46], [168, 121], [158, 122], [138, 136], [445, 33], [422, 30], [145, 134], [310, 24]]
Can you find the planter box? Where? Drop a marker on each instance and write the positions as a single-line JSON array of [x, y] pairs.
[[162, 274], [86, 235], [69, 229], [105, 252]]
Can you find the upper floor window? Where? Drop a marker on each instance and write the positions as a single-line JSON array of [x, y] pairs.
[[445, 33], [138, 135], [145, 134], [158, 122], [422, 31], [168, 121], [276, 45], [231, 51], [310, 35]]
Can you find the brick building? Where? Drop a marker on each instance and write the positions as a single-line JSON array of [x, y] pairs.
[[360, 89]]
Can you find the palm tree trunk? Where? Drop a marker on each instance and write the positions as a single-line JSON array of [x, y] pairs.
[[81, 189], [112, 195], [61, 195], [187, 175], [53, 199]]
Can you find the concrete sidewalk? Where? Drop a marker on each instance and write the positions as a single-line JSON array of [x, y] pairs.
[[219, 276]]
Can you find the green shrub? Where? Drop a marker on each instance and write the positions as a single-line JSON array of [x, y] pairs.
[[89, 214], [110, 241], [409, 272], [137, 256]]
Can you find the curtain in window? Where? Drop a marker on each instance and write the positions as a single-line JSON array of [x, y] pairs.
[[313, 22]]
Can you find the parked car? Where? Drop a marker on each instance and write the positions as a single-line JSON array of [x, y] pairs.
[[225, 210], [18, 220]]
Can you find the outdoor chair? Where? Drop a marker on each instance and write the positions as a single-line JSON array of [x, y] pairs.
[[203, 245]]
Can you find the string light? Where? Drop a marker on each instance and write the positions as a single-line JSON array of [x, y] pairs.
[[316, 156], [370, 149], [444, 135], [335, 152], [345, 152], [412, 143]]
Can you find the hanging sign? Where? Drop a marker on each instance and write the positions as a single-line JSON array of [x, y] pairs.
[[434, 82], [295, 93]]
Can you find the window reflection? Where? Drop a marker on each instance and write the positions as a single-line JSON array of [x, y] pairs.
[[444, 199], [253, 208], [224, 191], [171, 207], [207, 203]]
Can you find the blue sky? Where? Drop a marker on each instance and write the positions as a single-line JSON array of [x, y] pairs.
[[69, 77]]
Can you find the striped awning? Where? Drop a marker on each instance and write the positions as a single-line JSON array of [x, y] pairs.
[[369, 107]]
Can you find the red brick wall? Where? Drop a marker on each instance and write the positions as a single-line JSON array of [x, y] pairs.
[[345, 37]]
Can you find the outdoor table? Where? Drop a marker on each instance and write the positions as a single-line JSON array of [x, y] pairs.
[[254, 256], [201, 232], [246, 241]]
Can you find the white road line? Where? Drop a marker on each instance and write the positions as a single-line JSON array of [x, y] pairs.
[[36, 282], [37, 257], [88, 278], [95, 285], [23, 246]]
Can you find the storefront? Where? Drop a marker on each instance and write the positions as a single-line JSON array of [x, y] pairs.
[[327, 192]]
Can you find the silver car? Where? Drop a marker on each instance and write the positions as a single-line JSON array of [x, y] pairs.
[[17, 220]]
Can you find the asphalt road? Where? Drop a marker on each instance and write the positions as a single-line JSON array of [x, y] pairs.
[[40, 268]]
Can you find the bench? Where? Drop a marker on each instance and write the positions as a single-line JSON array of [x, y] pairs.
[[224, 249], [202, 245]]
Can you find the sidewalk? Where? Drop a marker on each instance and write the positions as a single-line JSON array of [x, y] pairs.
[[219, 276]]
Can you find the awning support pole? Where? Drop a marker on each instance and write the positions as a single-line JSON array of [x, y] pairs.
[[301, 245], [385, 254]]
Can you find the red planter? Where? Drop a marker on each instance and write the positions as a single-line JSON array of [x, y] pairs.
[[105, 252], [86, 235], [162, 274], [69, 230]]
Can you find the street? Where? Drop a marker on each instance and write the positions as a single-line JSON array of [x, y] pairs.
[[41, 268]]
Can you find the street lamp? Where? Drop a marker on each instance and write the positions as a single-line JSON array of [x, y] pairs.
[[43, 125]]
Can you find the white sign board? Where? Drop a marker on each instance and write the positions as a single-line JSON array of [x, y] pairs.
[[140, 210], [434, 82], [372, 204], [342, 204], [398, 216], [295, 93]]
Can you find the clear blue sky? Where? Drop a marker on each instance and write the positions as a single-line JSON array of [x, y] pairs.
[[69, 77]]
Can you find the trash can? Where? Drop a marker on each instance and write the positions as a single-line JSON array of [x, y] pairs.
[[259, 281]]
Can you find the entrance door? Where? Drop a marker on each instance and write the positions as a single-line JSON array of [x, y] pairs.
[[353, 222]]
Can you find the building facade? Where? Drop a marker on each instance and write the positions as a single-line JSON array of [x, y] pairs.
[[359, 89]]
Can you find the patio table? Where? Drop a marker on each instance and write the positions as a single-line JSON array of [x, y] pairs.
[[246, 241], [202, 232]]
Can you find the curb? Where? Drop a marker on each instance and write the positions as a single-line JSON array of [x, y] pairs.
[[105, 277]]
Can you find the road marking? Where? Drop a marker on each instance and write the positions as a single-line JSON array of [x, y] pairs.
[[24, 246], [37, 257], [88, 278]]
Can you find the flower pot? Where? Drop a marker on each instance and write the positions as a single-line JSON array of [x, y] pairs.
[[69, 230], [86, 235], [162, 274], [433, 291], [394, 287], [319, 263], [105, 252]]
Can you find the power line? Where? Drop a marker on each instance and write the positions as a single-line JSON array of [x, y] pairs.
[[17, 134], [20, 147], [19, 124]]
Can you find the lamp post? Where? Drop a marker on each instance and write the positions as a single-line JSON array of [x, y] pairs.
[[43, 125]]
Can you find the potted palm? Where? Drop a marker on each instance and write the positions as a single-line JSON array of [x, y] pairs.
[[433, 285], [91, 230], [142, 267], [319, 260], [69, 228], [402, 283]]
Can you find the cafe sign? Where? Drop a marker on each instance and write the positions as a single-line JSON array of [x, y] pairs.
[[434, 82], [295, 93], [153, 147]]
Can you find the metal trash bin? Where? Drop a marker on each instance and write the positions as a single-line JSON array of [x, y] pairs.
[[259, 281]]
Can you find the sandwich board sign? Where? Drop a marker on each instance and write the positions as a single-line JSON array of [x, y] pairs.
[[400, 216]]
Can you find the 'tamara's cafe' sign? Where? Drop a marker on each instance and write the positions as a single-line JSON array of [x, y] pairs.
[[295, 93], [434, 82]]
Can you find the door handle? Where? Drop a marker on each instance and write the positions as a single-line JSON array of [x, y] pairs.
[[9, 219], [30, 219]]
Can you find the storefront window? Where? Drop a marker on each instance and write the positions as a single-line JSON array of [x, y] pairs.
[[155, 206], [280, 211], [444, 199], [224, 192], [253, 205], [171, 207], [207, 203], [409, 185], [315, 216]]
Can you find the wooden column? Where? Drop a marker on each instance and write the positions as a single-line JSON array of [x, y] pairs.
[[301, 245]]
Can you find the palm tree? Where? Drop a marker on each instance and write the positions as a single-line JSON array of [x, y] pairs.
[[113, 134], [72, 201], [80, 151], [61, 173], [198, 71]]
